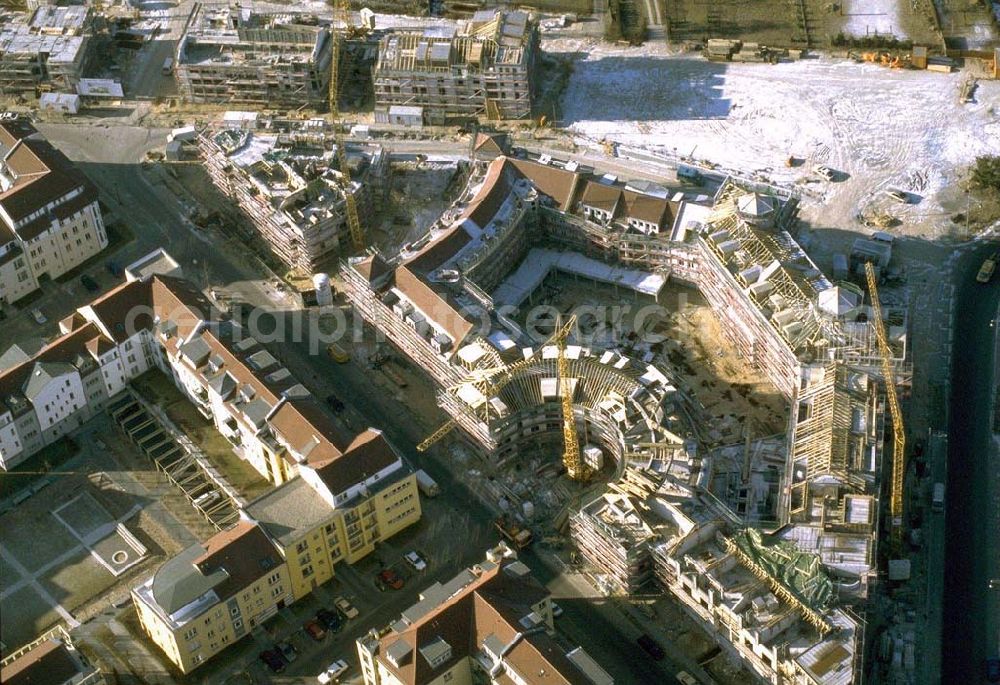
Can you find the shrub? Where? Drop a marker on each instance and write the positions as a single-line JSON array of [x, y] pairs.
[[986, 173]]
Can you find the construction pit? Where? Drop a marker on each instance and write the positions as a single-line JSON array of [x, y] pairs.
[[721, 398]]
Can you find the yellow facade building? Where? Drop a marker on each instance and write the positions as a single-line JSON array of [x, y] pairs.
[[338, 509], [347, 497], [212, 594]]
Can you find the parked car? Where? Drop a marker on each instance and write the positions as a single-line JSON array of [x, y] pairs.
[[897, 195], [333, 671], [115, 269], [391, 578], [826, 172], [557, 610], [314, 629], [685, 678], [331, 619], [273, 659], [335, 403], [288, 650], [415, 561], [650, 646], [37, 315], [346, 608], [89, 283]]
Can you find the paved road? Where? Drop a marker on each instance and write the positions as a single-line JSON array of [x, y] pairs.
[[971, 609], [593, 622]]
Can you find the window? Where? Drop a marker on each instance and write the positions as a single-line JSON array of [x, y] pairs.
[[274, 578], [448, 676], [235, 611], [307, 571], [237, 624], [189, 635], [302, 546], [277, 591]]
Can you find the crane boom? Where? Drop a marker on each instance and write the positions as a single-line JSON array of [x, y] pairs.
[[342, 11], [898, 433]]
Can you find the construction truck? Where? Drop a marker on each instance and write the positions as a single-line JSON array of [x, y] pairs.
[[512, 532], [937, 498], [427, 485]]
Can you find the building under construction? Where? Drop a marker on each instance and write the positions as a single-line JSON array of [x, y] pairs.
[[284, 176], [46, 50], [239, 57], [453, 302], [483, 69]]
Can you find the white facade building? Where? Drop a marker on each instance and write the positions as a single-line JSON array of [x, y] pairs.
[[50, 220]]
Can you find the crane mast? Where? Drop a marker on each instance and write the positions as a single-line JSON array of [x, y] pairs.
[[571, 443], [898, 434]]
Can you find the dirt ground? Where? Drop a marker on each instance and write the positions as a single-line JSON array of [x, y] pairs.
[[157, 388], [728, 391], [419, 194]]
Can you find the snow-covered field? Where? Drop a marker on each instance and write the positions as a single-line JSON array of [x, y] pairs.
[[882, 128]]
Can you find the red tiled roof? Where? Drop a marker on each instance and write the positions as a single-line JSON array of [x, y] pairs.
[[496, 187], [644, 207], [65, 348], [367, 454], [244, 552], [601, 196], [48, 664], [125, 310], [433, 304], [12, 131], [44, 176], [556, 183], [309, 429], [492, 604], [373, 267]]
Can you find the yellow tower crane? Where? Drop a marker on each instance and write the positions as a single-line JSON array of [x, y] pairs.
[[488, 381], [898, 434], [575, 468], [342, 12], [491, 381]]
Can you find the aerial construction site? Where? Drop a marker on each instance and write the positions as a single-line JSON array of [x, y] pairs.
[[663, 296]]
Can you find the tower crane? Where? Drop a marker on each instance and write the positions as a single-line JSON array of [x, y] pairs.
[[898, 434], [571, 442], [492, 380], [488, 381], [341, 12]]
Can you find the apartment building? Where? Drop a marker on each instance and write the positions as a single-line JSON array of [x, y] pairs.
[[52, 659], [50, 220], [285, 178], [491, 623], [286, 543], [102, 346], [46, 50], [342, 504], [212, 594], [484, 69], [238, 56]]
